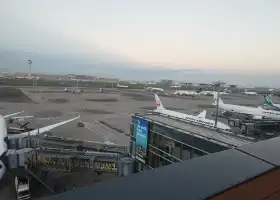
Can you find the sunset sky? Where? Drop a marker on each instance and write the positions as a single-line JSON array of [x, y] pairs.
[[200, 34]]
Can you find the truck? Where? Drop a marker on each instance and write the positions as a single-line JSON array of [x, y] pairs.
[[22, 187]]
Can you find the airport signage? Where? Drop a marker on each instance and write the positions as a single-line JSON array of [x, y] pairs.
[[141, 129]]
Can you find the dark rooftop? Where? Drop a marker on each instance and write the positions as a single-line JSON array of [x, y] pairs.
[[227, 139]]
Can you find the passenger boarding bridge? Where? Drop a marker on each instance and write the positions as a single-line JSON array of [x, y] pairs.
[[51, 153], [260, 129]]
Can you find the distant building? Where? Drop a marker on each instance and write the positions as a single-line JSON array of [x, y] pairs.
[[166, 82], [205, 85], [189, 84]]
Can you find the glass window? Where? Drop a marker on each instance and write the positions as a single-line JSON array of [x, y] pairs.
[[197, 153], [176, 150], [153, 160], [152, 138], [140, 166], [186, 152], [132, 148], [132, 132]]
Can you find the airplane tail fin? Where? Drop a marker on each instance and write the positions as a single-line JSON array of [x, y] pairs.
[[215, 99], [202, 114], [158, 103], [268, 101]]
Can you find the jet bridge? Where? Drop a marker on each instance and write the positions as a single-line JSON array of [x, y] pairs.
[[257, 128], [51, 153], [67, 160], [74, 144]]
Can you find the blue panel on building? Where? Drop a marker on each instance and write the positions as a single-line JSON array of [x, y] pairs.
[[141, 131]]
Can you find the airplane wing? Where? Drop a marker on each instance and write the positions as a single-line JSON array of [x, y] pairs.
[[41, 130], [10, 115], [202, 114], [22, 117]]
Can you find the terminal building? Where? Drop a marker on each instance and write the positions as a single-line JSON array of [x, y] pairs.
[[158, 140]]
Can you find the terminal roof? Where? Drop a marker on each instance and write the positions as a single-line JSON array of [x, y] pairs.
[[208, 133], [267, 150]]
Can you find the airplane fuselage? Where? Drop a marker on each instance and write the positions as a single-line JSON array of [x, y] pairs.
[[250, 93], [122, 86], [251, 111], [157, 90], [195, 119], [175, 86], [185, 92], [3, 145]]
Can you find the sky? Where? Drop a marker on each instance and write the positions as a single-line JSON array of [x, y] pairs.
[[231, 35]]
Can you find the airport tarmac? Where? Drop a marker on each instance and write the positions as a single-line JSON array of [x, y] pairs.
[[106, 115], [113, 107]]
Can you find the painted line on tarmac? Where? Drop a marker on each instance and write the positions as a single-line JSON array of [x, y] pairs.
[[117, 135], [103, 137], [26, 94]]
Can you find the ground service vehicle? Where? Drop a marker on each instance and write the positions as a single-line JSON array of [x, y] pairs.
[[22, 187]]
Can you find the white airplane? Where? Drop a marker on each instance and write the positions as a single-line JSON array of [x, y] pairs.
[[154, 89], [270, 104], [256, 112], [270, 89], [207, 93], [175, 86], [4, 136], [249, 93], [74, 91], [199, 119], [225, 92], [185, 93], [122, 86]]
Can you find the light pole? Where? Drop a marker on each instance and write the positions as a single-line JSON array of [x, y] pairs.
[[217, 86], [29, 69]]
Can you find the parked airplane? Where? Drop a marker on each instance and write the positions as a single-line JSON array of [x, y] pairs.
[[256, 112], [175, 86], [249, 93], [154, 89], [185, 93], [199, 119], [4, 137], [225, 92], [74, 91], [122, 86], [207, 93], [270, 104]]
